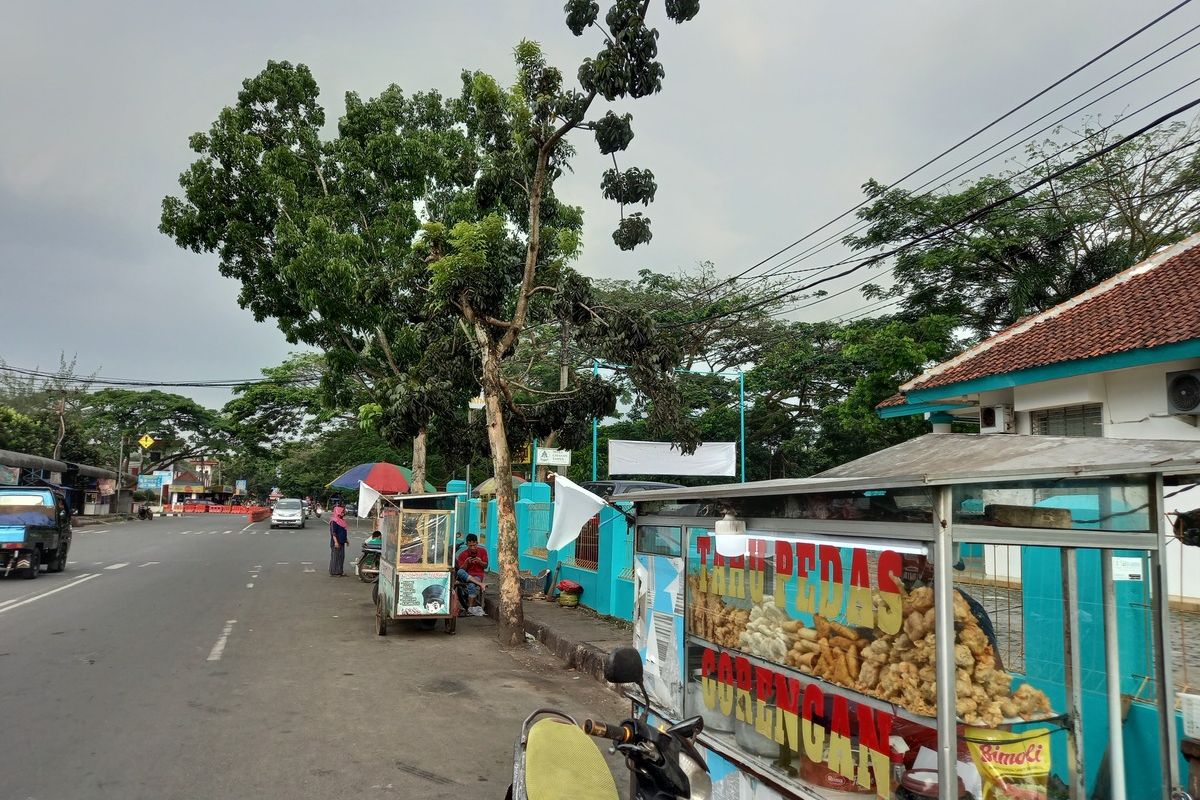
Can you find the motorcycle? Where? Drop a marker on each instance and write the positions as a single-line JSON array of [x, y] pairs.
[[665, 764], [367, 565], [145, 512]]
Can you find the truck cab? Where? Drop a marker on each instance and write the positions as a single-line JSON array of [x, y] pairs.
[[35, 529]]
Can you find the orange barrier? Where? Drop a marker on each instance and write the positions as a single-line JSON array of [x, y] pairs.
[[258, 515]]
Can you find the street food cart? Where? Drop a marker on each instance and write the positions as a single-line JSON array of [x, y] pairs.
[[956, 616], [416, 580]]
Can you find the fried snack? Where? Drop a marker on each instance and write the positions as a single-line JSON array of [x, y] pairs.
[[1030, 702], [822, 626], [919, 600], [868, 676], [842, 643], [853, 665], [808, 634], [963, 657], [840, 630], [914, 626]]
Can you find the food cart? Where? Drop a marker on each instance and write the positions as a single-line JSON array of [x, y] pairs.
[[833, 638], [416, 561]]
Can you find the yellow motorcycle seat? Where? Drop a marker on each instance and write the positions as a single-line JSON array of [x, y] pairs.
[[563, 761]]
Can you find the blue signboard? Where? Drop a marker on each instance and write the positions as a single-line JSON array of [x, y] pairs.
[[149, 481]]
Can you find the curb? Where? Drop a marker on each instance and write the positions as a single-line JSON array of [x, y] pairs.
[[580, 656]]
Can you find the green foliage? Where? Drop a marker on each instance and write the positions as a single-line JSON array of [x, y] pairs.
[[25, 434], [1044, 247]]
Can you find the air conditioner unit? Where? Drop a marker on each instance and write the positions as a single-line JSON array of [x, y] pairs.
[[1183, 392], [996, 419]]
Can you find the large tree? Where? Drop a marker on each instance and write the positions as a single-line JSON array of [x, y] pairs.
[[1042, 248], [320, 234], [318, 230]]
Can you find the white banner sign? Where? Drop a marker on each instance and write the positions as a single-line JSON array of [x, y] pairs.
[[664, 458], [573, 506], [553, 457]]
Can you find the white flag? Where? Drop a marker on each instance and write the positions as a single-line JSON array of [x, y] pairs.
[[367, 498], [573, 506]]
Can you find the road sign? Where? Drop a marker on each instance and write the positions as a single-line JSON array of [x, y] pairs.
[[241, 485], [149, 481], [553, 457], [146, 441]]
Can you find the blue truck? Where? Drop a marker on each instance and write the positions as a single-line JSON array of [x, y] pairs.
[[35, 529]]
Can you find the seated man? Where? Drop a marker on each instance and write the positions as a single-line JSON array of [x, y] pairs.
[[471, 565]]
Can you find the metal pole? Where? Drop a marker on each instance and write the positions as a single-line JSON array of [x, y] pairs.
[[1161, 614], [1112, 663], [117, 495], [742, 415], [595, 426], [1073, 674], [533, 459], [943, 627]]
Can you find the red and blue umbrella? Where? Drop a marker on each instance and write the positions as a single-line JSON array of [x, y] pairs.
[[380, 476]]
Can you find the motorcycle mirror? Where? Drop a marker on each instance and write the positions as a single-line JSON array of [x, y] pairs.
[[623, 665]]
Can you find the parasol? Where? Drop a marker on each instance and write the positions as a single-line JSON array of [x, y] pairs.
[[380, 476], [488, 487]]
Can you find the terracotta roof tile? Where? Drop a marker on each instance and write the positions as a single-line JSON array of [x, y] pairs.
[[1154, 303], [894, 400]]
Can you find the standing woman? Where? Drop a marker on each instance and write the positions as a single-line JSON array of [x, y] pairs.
[[337, 541]]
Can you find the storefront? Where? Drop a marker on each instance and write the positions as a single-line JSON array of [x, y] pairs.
[[822, 630]]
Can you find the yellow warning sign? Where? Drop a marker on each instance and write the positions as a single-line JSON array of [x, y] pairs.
[[146, 441]]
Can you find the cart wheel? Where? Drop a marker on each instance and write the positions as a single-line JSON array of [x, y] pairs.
[[380, 621], [451, 625]]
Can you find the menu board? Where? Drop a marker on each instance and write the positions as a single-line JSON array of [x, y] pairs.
[[422, 593]]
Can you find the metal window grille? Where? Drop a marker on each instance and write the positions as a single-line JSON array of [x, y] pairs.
[[587, 546], [1084, 420]]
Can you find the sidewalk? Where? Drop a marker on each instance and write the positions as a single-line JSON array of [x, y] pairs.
[[577, 635]]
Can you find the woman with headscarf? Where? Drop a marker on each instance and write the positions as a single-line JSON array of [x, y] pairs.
[[337, 541]]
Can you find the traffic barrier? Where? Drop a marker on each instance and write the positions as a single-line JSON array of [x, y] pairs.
[[258, 515]]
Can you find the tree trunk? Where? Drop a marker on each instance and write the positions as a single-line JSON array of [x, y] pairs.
[[418, 461], [511, 616]]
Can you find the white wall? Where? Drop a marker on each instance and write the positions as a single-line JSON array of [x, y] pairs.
[[1135, 407]]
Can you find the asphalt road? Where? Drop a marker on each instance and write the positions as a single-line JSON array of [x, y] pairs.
[[203, 658]]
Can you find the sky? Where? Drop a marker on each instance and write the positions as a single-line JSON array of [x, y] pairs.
[[772, 114]]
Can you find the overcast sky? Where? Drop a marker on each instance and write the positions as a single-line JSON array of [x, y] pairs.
[[771, 116]]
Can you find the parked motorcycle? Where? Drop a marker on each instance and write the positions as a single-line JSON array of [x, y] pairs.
[[145, 512], [665, 764], [367, 565]]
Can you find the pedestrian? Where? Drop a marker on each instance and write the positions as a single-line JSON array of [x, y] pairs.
[[337, 541]]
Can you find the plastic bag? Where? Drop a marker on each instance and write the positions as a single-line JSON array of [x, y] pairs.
[[1012, 765]]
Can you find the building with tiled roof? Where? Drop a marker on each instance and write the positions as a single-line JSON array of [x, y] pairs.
[[1097, 363], [1120, 360]]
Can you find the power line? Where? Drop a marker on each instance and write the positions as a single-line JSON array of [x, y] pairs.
[[217, 383], [987, 209], [965, 140]]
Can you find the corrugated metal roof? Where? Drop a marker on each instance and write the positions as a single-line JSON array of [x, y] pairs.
[[949, 458]]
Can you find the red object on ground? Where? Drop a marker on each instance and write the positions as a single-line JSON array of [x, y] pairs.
[[569, 587]]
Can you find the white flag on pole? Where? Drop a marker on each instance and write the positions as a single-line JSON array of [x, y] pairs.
[[573, 506], [367, 498]]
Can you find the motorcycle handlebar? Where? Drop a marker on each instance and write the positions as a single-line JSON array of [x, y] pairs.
[[603, 730]]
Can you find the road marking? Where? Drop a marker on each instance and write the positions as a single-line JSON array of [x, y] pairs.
[[100, 531], [310, 570], [149, 564], [249, 585], [118, 565], [226, 531], [248, 527], [219, 647], [97, 563], [281, 563], [209, 533], [306, 563], [82, 579], [184, 533]]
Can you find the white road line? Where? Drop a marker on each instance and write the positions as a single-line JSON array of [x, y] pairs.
[[104, 531], [306, 563], [149, 564], [184, 533], [310, 570], [248, 527], [219, 647], [281, 563], [226, 531], [97, 563], [82, 579], [209, 533], [118, 565], [249, 585], [72, 563]]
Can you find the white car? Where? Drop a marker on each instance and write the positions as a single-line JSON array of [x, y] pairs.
[[288, 513]]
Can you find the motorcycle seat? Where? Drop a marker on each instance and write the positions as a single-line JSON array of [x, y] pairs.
[[561, 755]]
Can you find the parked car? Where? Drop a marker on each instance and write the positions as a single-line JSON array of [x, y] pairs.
[[35, 530], [288, 513]]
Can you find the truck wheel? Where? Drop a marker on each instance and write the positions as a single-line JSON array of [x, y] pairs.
[[58, 559], [35, 565]]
